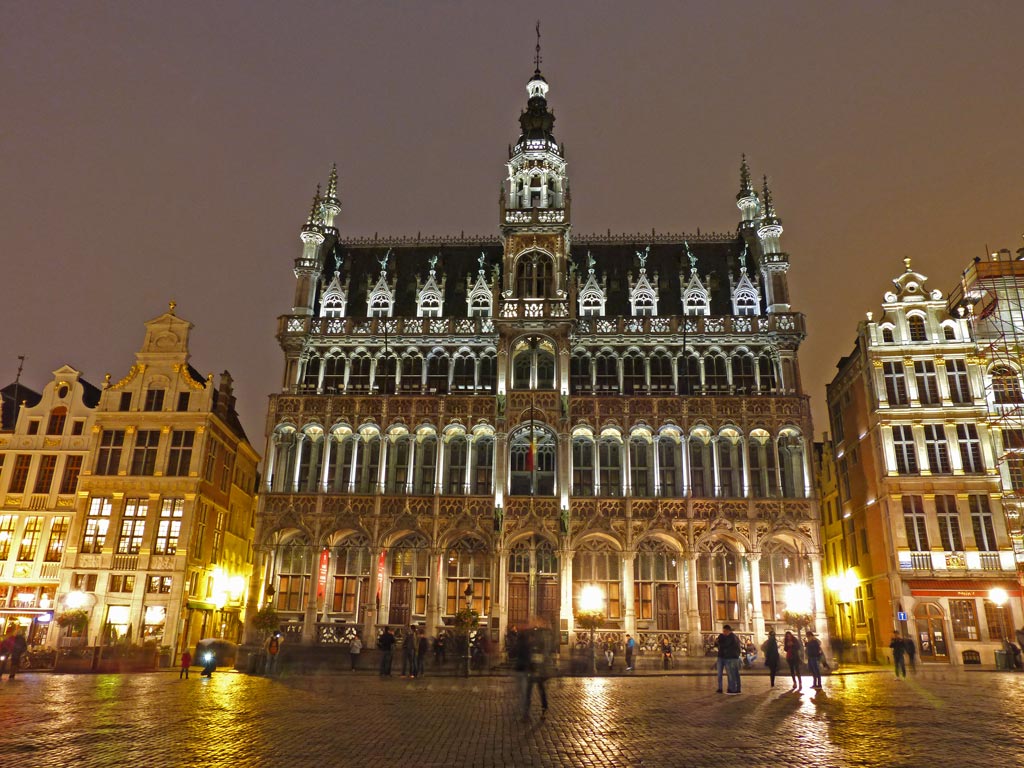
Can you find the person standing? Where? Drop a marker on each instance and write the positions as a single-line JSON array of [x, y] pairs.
[[186, 662], [6, 646], [812, 646], [729, 650], [793, 649], [532, 664], [511, 642], [439, 652], [609, 653], [911, 648], [630, 650], [273, 648], [409, 653], [18, 648], [422, 648], [899, 649], [386, 645], [355, 647], [770, 649]]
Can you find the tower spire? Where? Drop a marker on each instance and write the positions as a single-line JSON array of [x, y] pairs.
[[537, 59], [769, 206], [745, 187], [314, 210], [331, 204], [746, 198]]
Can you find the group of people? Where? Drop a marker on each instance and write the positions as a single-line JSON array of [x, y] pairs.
[[903, 648], [415, 647], [731, 651]]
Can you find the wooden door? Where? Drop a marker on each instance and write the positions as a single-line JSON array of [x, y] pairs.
[[548, 601], [704, 608], [667, 607], [518, 602], [400, 612]]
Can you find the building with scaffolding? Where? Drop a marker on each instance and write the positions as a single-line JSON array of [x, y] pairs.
[[924, 540]]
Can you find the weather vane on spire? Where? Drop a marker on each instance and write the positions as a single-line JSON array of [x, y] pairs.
[[537, 59], [384, 261]]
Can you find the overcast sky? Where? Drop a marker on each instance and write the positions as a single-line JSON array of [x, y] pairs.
[[151, 151]]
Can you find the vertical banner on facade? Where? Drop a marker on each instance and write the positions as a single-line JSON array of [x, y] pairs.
[[321, 582], [380, 573]]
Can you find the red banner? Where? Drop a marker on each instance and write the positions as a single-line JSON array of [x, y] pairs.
[[321, 583], [380, 573]]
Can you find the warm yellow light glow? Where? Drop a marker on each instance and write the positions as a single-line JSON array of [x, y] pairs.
[[798, 598], [999, 596], [75, 599], [236, 587], [844, 585], [591, 598]]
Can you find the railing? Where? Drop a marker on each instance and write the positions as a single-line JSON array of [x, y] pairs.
[[527, 308], [990, 561], [708, 639], [921, 561], [379, 326], [125, 563], [332, 633]]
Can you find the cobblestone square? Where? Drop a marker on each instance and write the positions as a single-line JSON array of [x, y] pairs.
[[937, 717]]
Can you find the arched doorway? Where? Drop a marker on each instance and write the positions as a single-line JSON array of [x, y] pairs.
[[533, 582], [931, 632]]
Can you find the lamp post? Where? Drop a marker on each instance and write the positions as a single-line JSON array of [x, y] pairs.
[[469, 613], [844, 589], [1000, 597], [591, 616]]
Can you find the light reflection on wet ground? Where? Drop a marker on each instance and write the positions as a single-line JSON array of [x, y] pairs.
[[940, 717]]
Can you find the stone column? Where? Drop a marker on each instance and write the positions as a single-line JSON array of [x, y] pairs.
[[370, 614], [628, 590], [756, 616], [715, 466], [692, 611], [300, 438], [820, 620], [326, 473], [435, 610]]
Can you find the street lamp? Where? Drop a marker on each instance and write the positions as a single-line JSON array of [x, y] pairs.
[[844, 587], [469, 612], [799, 606], [591, 616], [1000, 597]]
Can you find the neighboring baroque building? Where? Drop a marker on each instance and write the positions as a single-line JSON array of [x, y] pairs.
[[160, 545], [922, 537], [508, 419], [43, 446]]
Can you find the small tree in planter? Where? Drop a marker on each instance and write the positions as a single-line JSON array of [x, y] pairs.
[[266, 621], [801, 621], [465, 621]]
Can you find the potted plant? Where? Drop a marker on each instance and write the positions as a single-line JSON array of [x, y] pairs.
[[74, 621]]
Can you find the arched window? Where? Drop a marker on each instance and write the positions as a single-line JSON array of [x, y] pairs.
[[351, 589], [661, 372], [58, 418], [743, 373], [718, 577], [533, 364], [915, 324], [456, 456], [715, 377], [701, 465], [464, 373], [656, 584], [488, 372], [766, 374], [533, 275], [468, 562], [437, 374], [949, 333], [597, 564], [410, 580], [609, 463], [368, 463], [579, 372], [426, 463], [1005, 385], [583, 465], [284, 446], [606, 372], [294, 568], [670, 476], [746, 303], [781, 566], [334, 373], [689, 374], [311, 374], [730, 468], [311, 456], [791, 464], [887, 335], [483, 465], [633, 378], [641, 465], [399, 454], [359, 374], [532, 457], [333, 306], [385, 374], [761, 458], [340, 471], [412, 373]]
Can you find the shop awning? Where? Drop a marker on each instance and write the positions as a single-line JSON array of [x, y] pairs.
[[960, 587]]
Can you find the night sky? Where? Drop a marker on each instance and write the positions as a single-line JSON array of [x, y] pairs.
[[151, 151]]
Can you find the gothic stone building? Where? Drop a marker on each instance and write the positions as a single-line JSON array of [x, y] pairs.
[[508, 419]]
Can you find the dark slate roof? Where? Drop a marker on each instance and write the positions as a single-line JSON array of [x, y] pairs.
[[717, 257], [13, 395], [90, 393]]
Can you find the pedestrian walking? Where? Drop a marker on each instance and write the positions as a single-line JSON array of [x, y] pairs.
[[630, 651], [409, 653], [511, 642], [812, 646], [273, 649], [911, 650], [899, 649], [18, 648], [355, 647], [770, 649], [533, 654], [729, 650], [6, 646], [793, 649], [386, 644], [422, 648], [186, 662]]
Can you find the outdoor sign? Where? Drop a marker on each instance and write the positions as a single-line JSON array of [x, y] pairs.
[[321, 582], [901, 616]]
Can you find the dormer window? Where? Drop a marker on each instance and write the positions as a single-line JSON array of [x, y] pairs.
[[480, 307], [592, 295], [380, 307], [429, 307], [746, 305], [916, 327], [887, 336], [696, 303], [644, 305], [333, 307], [533, 275], [154, 400]]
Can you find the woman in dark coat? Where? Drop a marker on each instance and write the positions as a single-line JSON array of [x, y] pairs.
[[770, 649], [794, 650]]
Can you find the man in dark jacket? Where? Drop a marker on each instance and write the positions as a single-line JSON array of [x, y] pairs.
[[729, 660], [386, 645], [18, 648]]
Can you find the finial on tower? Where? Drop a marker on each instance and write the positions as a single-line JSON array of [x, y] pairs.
[[906, 263], [171, 305], [537, 59], [314, 209], [332, 182], [769, 207], [745, 186]]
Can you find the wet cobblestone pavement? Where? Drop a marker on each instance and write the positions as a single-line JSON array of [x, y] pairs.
[[938, 717]]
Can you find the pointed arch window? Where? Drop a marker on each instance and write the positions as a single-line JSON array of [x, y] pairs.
[[311, 374], [670, 478], [597, 563], [380, 305], [437, 374], [766, 374], [718, 576], [456, 455], [368, 464], [463, 373], [781, 565], [716, 379], [410, 580], [385, 374], [583, 466], [532, 458], [358, 376], [633, 377], [534, 273], [488, 372], [294, 568], [426, 465], [609, 463], [351, 579], [688, 374], [311, 455], [468, 563], [761, 459], [579, 372], [791, 465], [412, 373], [483, 465], [533, 364], [641, 465], [656, 584], [661, 372], [396, 478], [606, 372], [701, 465], [743, 372], [730, 467]]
